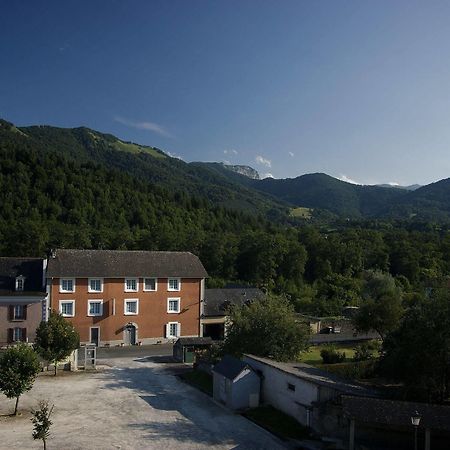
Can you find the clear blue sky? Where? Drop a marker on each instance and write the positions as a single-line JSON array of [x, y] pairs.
[[359, 89]]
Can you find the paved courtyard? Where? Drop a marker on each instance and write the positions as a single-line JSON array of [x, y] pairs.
[[137, 403]]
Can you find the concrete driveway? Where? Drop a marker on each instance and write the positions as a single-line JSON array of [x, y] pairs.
[[136, 404]]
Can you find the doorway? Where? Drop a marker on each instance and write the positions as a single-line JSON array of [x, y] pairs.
[[129, 334], [95, 336]]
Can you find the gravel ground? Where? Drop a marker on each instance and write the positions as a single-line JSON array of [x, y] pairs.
[[135, 404]]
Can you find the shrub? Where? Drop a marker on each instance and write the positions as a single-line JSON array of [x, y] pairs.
[[366, 350], [353, 370], [330, 355]]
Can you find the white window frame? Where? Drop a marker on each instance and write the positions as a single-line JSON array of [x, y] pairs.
[[61, 285], [97, 300], [178, 299], [131, 290], [18, 317], [61, 302], [14, 334], [171, 336], [20, 283], [135, 300], [171, 289], [156, 284], [89, 285]]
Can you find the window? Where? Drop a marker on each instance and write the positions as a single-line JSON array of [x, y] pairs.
[[20, 281], [173, 305], [173, 329], [173, 284], [67, 285], [95, 285], [150, 284], [291, 387], [18, 335], [67, 308], [95, 307], [18, 312], [131, 284], [131, 307]]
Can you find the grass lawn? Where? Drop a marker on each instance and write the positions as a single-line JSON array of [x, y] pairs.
[[199, 380], [304, 213], [278, 423], [312, 356]]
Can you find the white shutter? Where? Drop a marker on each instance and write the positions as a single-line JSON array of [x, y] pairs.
[[167, 330], [178, 329]]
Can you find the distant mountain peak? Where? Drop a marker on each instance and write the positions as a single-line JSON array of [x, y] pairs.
[[247, 171]]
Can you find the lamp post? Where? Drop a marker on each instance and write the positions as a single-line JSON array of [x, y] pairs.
[[415, 420]]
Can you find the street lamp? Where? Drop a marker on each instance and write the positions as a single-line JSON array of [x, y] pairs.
[[415, 420]]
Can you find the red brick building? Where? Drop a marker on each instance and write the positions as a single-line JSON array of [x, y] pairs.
[[114, 297]]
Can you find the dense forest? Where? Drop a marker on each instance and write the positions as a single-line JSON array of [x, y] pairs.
[[58, 198]]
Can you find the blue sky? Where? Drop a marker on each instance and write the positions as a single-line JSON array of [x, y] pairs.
[[356, 89]]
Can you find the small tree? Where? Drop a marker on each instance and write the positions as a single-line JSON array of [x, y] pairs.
[[19, 366], [266, 328], [41, 422], [56, 339]]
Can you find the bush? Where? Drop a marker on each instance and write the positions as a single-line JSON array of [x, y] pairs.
[[330, 355], [366, 350]]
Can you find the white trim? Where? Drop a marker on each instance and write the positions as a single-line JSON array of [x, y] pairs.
[[61, 290], [169, 299], [150, 290], [89, 285], [131, 290], [169, 289], [20, 279], [136, 300], [61, 302], [168, 335], [89, 307], [90, 335]]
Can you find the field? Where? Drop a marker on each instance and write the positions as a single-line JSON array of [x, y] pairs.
[[303, 213]]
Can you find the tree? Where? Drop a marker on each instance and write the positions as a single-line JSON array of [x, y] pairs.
[[381, 308], [41, 422], [418, 352], [267, 328], [56, 339], [19, 367]]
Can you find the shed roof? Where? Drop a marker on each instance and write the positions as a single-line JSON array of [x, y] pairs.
[[194, 341], [30, 268], [230, 367], [124, 263], [317, 376], [396, 413], [217, 301]]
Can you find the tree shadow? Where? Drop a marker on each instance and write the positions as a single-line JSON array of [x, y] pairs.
[[186, 415]]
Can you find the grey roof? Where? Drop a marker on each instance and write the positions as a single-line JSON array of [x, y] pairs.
[[230, 367], [124, 263], [30, 268], [194, 341], [317, 376], [217, 301], [396, 413]]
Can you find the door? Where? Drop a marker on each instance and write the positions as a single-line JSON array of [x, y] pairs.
[[129, 335], [189, 355], [95, 336]]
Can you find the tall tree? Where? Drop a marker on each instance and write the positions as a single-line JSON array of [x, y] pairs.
[[266, 328], [19, 366], [418, 353], [56, 339], [381, 307]]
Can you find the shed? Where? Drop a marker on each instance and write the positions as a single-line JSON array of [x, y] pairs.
[[186, 349], [235, 384]]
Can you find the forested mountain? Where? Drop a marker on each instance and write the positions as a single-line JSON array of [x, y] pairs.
[[145, 163], [66, 193]]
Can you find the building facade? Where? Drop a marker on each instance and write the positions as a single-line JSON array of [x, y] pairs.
[[127, 297], [22, 299]]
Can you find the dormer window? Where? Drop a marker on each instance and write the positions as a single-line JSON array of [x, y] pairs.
[[20, 283]]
